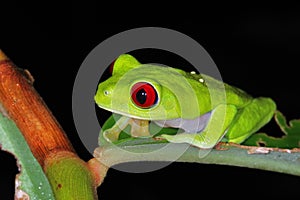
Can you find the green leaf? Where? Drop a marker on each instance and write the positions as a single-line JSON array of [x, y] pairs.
[[290, 139], [31, 182]]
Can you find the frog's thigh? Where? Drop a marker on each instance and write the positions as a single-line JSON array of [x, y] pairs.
[[250, 119], [222, 116]]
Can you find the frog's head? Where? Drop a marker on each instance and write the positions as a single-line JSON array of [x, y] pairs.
[[144, 91]]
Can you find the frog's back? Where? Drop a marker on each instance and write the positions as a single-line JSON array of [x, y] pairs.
[[218, 92]]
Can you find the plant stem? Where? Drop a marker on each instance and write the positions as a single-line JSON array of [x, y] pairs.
[[45, 137], [270, 159], [26, 108]]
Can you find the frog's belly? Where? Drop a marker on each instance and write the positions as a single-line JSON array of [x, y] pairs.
[[188, 125]]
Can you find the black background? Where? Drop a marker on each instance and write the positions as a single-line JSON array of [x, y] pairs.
[[255, 48]]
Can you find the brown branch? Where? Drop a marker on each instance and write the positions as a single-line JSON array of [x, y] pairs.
[[67, 173], [24, 106]]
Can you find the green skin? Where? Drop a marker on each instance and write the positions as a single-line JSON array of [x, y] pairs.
[[206, 109]]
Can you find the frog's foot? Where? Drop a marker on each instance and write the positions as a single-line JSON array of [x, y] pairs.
[[139, 128], [111, 135]]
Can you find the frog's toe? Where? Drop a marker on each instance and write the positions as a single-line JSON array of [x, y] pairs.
[[110, 135]]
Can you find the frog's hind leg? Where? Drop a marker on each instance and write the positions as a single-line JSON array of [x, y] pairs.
[[250, 119], [221, 118]]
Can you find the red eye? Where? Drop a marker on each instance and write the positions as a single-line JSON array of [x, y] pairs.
[[144, 95]]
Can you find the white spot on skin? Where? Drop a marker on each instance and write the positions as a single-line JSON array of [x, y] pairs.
[[193, 72], [201, 80]]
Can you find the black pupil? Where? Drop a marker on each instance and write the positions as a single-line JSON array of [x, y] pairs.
[[141, 96]]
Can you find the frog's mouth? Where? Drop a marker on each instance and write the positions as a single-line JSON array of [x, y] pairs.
[[124, 114]]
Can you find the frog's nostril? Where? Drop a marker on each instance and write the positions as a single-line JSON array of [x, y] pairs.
[[106, 92]]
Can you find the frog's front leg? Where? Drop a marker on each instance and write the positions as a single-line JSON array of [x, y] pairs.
[[139, 128], [113, 133]]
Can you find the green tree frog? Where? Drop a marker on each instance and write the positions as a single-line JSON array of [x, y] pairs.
[[206, 109]]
